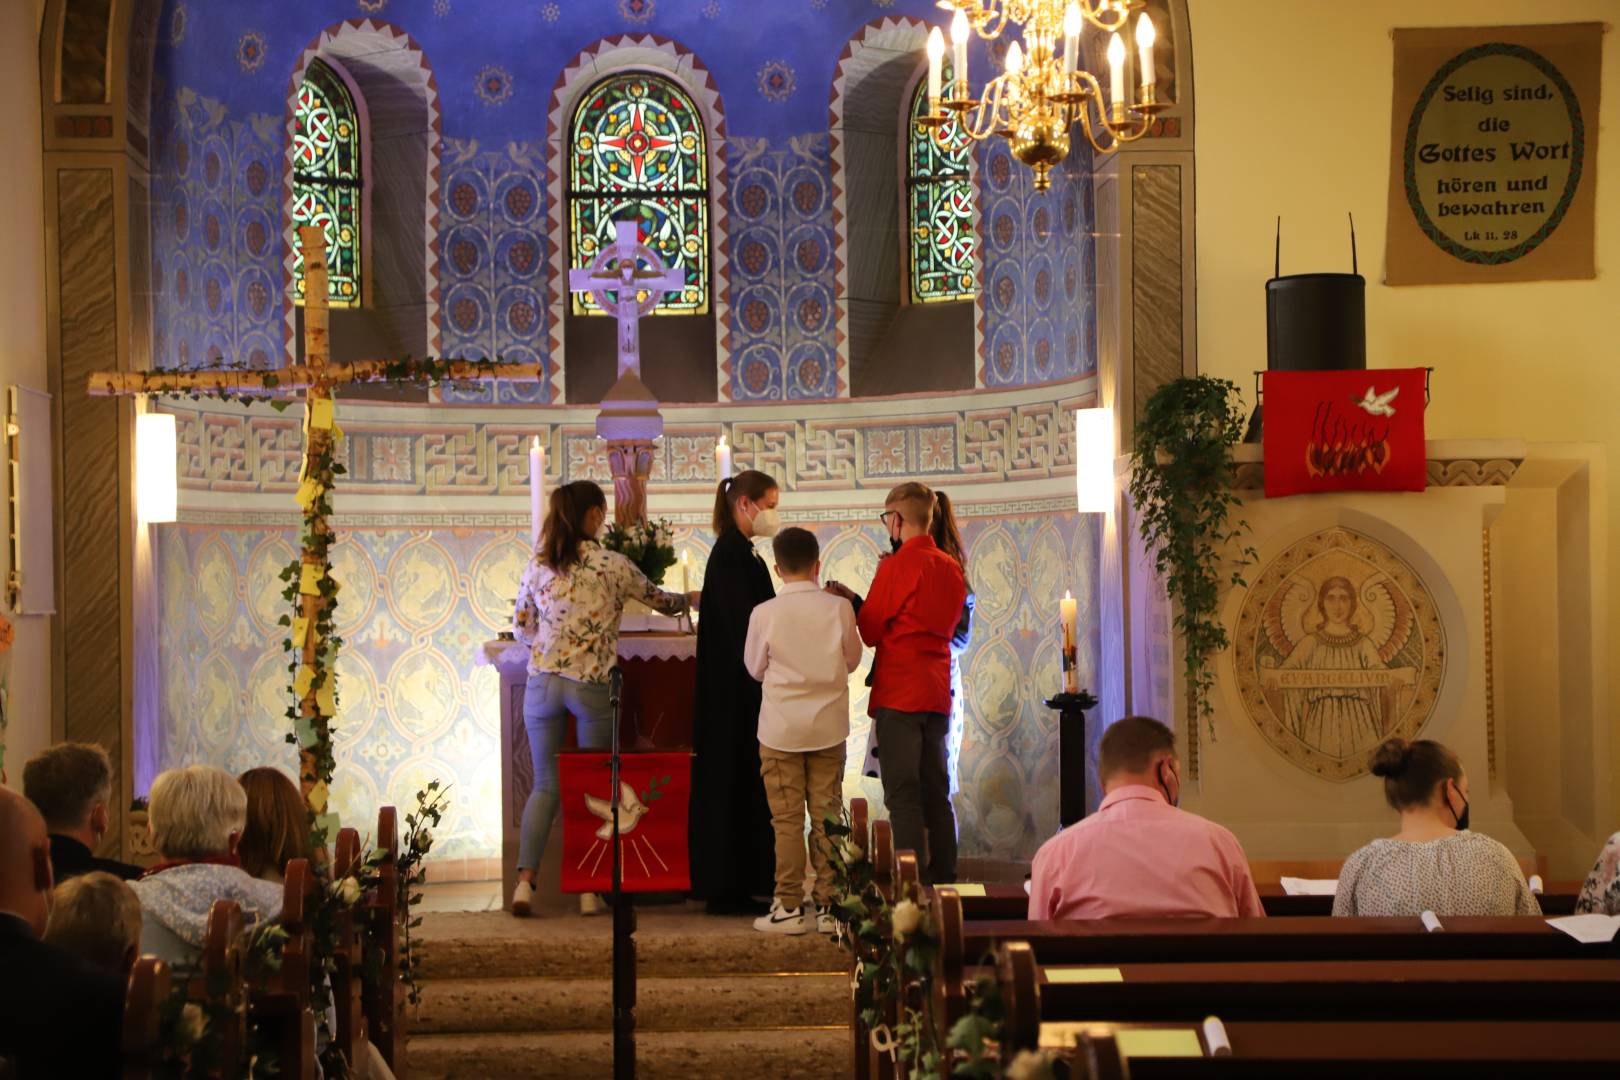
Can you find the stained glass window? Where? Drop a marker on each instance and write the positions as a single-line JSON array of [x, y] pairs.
[[939, 206], [637, 152], [326, 186]]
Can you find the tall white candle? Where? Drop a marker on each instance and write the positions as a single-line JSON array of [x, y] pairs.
[[537, 490], [1072, 21], [1145, 37], [1116, 70], [936, 57], [722, 459], [1069, 610], [959, 40], [686, 584]]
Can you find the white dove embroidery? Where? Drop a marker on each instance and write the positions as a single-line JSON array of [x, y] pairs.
[[1377, 404], [631, 811]]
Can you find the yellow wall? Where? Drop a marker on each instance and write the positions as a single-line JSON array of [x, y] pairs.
[[1293, 118], [22, 336]]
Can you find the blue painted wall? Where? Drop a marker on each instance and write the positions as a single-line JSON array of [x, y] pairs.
[[218, 113]]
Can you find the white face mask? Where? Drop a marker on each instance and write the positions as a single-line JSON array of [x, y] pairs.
[[767, 523]]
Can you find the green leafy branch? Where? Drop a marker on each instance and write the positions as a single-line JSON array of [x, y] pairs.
[[1181, 486]]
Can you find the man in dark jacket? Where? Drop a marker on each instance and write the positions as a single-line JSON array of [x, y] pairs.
[[59, 1016], [71, 784]]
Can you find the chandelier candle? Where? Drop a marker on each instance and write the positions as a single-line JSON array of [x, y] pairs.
[[936, 56], [1069, 609], [1072, 22], [1145, 37], [1116, 74], [959, 40]]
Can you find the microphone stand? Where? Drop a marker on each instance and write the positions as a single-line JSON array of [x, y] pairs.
[[624, 919]]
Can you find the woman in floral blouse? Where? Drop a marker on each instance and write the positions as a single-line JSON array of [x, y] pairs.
[[1601, 893], [568, 611]]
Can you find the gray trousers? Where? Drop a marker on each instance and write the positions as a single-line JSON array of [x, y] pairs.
[[917, 789]]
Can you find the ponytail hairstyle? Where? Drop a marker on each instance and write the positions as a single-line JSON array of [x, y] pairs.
[[1413, 770], [750, 484], [564, 529], [944, 531]]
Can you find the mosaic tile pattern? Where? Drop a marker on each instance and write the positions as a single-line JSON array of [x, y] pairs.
[[417, 603]]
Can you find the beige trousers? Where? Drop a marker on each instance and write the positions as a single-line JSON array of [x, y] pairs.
[[797, 782]]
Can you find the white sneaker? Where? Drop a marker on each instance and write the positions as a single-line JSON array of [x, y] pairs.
[[779, 920], [591, 904], [523, 900], [825, 923]]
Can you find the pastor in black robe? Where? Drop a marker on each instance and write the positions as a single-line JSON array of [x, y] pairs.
[[732, 846]]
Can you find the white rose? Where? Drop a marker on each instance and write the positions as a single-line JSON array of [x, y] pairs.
[[193, 1024], [905, 919], [347, 891], [424, 838], [851, 852], [1030, 1065]]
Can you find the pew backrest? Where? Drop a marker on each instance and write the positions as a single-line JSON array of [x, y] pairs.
[[143, 1018]]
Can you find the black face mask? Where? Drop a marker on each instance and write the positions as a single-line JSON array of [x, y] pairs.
[[1462, 819], [894, 543]]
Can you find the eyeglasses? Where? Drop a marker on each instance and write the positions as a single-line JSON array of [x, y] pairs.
[[883, 518]]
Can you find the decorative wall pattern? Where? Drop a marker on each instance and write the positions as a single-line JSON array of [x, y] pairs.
[[493, 250], [400, 450], [417, 604], [776, 234]]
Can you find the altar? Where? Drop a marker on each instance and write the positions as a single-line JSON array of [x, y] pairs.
[[660, 675]]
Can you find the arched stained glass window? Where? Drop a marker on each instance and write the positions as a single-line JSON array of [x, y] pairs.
[[939, 206], [637, 151], [326, 183]]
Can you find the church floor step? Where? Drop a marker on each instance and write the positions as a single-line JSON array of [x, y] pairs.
[[672, 942], [779, 1053], [470, 1006]]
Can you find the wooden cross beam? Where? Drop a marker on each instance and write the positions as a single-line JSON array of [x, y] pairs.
[[309, 581]]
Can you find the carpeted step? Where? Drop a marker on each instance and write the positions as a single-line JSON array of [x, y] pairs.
[[782, 1054], [470, 1006], [493, 945]]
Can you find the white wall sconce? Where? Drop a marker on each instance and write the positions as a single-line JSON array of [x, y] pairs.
[[157, 482], [1094, 460]]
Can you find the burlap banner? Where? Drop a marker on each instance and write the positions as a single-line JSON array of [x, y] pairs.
[[1493, 147]]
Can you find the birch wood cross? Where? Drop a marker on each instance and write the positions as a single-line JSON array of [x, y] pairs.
[[309, 580]]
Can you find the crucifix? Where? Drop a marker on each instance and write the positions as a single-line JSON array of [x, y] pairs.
[[309, 583], [627, 279]]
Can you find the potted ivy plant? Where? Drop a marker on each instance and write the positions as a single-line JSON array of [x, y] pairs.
[[1181, 485]]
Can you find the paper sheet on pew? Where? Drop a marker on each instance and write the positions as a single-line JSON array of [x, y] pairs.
[[1588, 929], [966, 888], [1298, 886]]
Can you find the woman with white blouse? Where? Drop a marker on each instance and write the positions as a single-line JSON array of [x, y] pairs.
[[568, 610], [1434, 863]]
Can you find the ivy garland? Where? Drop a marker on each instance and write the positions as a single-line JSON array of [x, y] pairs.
[[1181, 485]]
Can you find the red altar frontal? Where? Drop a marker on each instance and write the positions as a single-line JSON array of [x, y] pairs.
[[660, 675]]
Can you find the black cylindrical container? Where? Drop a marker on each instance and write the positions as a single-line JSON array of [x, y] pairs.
[[1316, 322]]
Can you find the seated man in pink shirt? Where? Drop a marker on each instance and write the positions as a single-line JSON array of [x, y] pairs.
[[1139, 856]]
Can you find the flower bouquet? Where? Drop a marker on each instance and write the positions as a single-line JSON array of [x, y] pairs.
[[648, 544]]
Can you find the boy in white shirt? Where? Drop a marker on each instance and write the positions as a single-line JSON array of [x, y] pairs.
[[802, 646]]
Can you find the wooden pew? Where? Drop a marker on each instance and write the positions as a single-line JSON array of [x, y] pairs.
[[906, 884], [218, 986], [1355, 1050], [281, 1008], [384, 999], [1586, 989], [140, 1039], [347, 977], [1011, 902], [882, 855], [1147, 941]]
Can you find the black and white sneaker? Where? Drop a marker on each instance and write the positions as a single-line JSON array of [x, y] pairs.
[[825, 923], [779, 920]]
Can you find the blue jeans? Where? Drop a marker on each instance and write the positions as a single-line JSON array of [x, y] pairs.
[[547, 702]]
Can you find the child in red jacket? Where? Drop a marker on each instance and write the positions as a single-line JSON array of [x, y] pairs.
[[908, 617]]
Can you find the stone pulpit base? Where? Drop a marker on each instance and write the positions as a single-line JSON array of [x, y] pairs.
[[1467, 613]]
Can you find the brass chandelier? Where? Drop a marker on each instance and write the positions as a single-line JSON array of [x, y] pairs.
[[1043, 91]]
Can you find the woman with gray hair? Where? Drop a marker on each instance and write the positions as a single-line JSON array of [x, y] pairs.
[[195, 816]]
